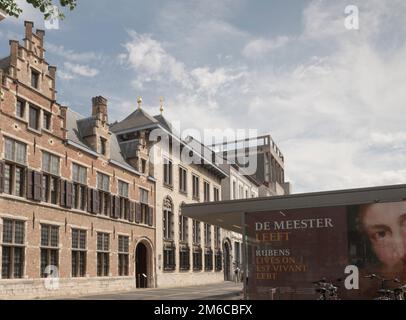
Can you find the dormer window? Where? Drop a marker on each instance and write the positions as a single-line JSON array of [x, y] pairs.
[[102, 146], [34, 79]]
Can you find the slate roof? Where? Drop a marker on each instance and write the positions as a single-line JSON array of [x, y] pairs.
[[78, 127], [136, 120]]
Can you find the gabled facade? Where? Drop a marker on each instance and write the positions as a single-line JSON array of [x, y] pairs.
[[70, 202], [188, 252]]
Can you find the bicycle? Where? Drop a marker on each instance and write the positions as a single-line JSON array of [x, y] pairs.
[[388, 294], [326, 290]]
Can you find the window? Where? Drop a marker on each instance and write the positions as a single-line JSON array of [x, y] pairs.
[[218, 260], [183, 228], [144, 206], [12, 260], [207, 235], [50, 163], [197, 259], [216, 193], [234, 190], [123, 254], [102, 146], [34, 79], [168, 231], [184, 258], [79, 191], [124, 201], [182, 180], [49, 248], [143, 166], [208, 259], [78, 253], [169, 257], [196, 232], [14, 177], [123, 189], [15, 151], [195, 187], [33, 122], [103, 252], [206, 192], [50, 177], [217, 238], [103, 184], [79, 174], [167, 172], [20, 108], [237, 254], [46, 121]]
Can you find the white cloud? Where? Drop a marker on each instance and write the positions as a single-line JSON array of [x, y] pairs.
[[81, 70], [261, 47], [336, 114], [148, 57], [72, 55]]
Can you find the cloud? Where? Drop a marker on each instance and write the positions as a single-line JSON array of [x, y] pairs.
[[261, 47], [72, 55], [334, 102], [81, 70], [148, 57]]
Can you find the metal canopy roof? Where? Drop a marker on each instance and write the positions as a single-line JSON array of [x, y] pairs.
[[229, 214]]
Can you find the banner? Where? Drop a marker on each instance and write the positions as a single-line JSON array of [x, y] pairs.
[[288, 250]]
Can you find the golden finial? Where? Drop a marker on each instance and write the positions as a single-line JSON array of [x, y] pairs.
[[161, 100], [139, 101]]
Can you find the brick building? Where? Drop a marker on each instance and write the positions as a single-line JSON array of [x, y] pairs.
[[68, 197]]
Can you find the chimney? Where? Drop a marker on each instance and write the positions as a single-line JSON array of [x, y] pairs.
[[29, 25], [99, 108]]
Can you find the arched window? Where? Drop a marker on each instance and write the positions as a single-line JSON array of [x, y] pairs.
[[168, 226]]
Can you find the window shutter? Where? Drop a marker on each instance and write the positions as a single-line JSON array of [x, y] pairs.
[[69, 194], [137, 212], [63, 193], [30, 185], [117, 207], [37, 186], [132, 212], [1, 177], [89, 200], [127, 209], [95, 201], [150, 216]]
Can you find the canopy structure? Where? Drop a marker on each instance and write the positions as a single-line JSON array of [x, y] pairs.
[[229, 214]]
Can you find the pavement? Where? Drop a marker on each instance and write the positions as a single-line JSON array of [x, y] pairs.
[[220, 291]]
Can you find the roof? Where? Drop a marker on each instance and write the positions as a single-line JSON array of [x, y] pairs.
[[140, 119], [163, 122], [230, 214], [79, 126], [136, 120]]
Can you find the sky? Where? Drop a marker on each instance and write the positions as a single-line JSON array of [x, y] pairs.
[[333, 99]]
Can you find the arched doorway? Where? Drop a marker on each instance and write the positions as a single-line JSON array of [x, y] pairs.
[[227, 261], [143, 265]]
